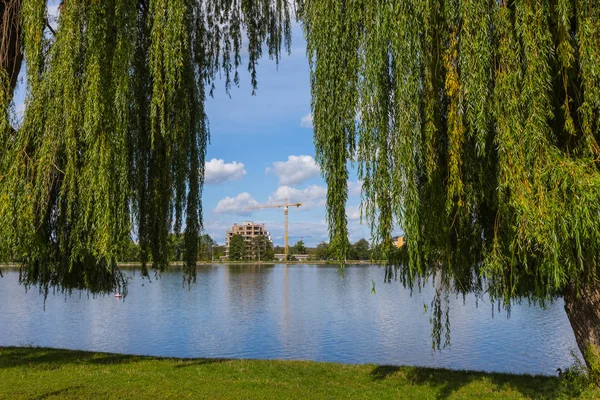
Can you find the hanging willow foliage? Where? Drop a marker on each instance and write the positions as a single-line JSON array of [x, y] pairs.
[[475, 127], [114, 134]]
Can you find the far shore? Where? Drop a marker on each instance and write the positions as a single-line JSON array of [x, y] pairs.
[[179, 264]]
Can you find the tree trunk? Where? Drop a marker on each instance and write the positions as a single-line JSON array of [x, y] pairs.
[[11, 55], [583, 309]]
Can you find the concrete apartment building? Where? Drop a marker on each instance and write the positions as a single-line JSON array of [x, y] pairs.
[[247, 230]]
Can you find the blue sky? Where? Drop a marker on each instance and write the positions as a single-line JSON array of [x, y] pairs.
[[262, 151]]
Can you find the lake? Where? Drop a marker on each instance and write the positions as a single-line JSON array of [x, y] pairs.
[[287, 312]]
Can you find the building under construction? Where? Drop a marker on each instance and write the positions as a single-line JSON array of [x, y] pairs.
[[248, 231]]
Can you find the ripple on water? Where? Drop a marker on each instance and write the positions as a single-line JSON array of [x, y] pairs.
[[293, 312]]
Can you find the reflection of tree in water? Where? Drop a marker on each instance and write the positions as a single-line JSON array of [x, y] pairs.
[[246, 285]]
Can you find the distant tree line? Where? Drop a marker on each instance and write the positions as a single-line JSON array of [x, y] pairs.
[[208, 249], [360, 250], [259, 249]]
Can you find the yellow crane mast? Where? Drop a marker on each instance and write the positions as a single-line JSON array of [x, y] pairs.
[[285, 207]]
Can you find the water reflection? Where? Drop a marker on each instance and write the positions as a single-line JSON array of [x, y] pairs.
[[289, 312]]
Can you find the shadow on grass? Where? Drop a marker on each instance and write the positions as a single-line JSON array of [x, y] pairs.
[[449, 382], [37, 357], [58, 392], [194, 362]]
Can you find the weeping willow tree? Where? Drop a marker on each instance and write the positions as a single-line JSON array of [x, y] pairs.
[[474, 125], [114, 133]]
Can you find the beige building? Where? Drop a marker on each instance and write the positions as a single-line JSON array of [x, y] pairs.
[[398, 241], [248, 230]]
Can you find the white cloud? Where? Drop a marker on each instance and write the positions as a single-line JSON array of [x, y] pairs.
[[53, 11], [53, 14], [357, 231], [312, 196], [311, 232], [354, 188], [295, 170], [218, 171], [19, 113], [236, 205], [307, 121], [353, 213], [216, 228]]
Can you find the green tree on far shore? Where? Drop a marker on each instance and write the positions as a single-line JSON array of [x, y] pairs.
[[131, 252], [279, 249], [299, 248], [360, 250], [206, 246], [262, 248], [322, 251], [176, 247], [219, 251], [237, 248]]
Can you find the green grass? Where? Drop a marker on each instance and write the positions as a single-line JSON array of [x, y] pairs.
[[39, 373]]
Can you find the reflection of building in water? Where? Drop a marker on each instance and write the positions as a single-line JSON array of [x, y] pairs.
[[248, 287], [248, 231]]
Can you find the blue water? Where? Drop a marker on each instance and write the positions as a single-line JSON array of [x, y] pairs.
[[287, 312]]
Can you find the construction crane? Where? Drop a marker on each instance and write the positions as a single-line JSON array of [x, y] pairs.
[[285, 207]]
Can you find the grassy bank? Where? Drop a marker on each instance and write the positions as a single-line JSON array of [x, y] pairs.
[[49, 373]]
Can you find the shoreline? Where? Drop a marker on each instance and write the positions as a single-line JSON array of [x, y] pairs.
[[179, 264]]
